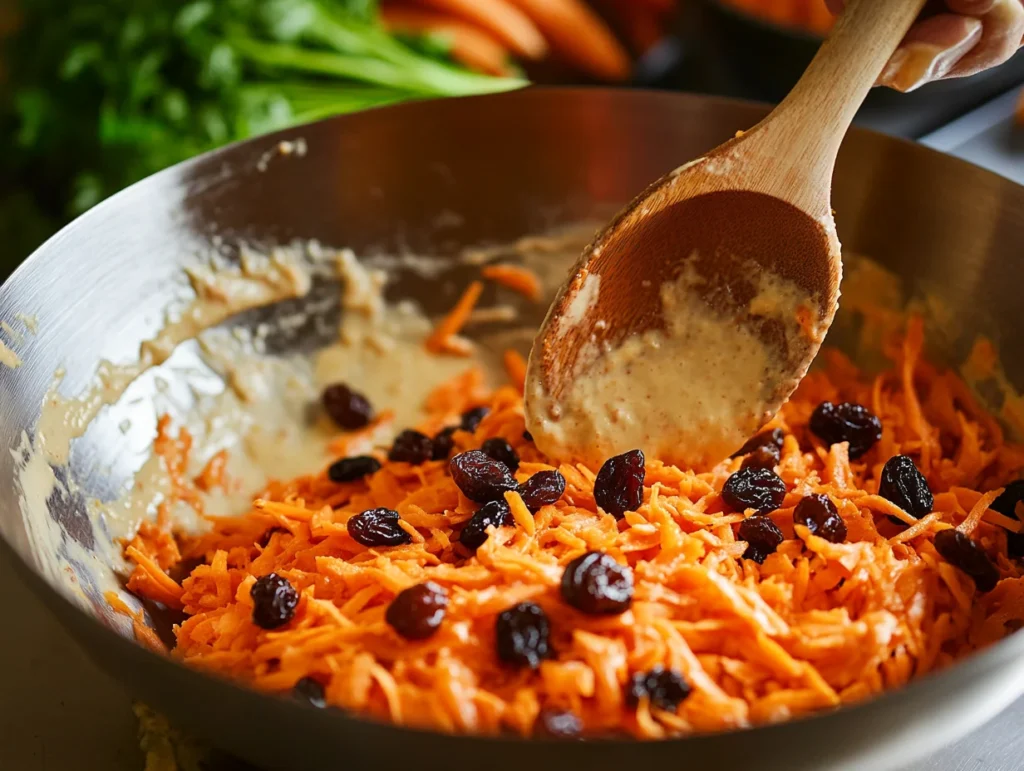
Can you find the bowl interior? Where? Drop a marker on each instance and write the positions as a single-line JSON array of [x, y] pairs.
[[430, 179]]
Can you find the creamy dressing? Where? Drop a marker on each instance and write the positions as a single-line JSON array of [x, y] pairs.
[[688, 394], [262, 408]]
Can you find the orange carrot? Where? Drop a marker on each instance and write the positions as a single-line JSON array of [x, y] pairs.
[[499, 18], [143, 633], [517, 278], [470, 45], [445, 337], [515, 368], [212, 474], [579, 36]]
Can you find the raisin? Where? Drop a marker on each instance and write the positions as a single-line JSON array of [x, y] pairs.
[[542, 489], [471, 418], [767, 456], [904, 485], [274, 601], [665, 688], [963, 553], [754, 488], [411, 447], [557, 724], [493, 514], [378, 527], [527, 436], [351, 469], [416, 613], [444, 443], [846, 422], [349, 409], [596, 584], [619, 486], [773, 438], [502, 452], [819, 515], [310, 691], [762, 536], [1006, 504], [480, 477], [522, 634]]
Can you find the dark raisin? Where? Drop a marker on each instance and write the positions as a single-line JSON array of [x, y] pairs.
[[1006, 504], [274, 601], [310, 691], [411, 447], [349, 409], [846, 422], [501, 451], [619, 486], [378, 527], [819, 515], [775, 438], [416, 613], [471, 418], [963, 553], [480, 477], [665, 688], [767, 456], [493, 514], [522, 634], [542, 489], [904, 485], [762, 536], [597, 585], [351, 469], [760, 489], [557, 724], [527, 436], [444, 443]]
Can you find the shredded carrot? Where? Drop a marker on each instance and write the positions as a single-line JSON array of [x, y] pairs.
[[445, 337], [815, 625], [212, 474], [361, 440], [515, 368], [143, 633], [517, 278]]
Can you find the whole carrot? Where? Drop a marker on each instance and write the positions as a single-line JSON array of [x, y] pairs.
[[500, 18], [470, 45], [579, 36]]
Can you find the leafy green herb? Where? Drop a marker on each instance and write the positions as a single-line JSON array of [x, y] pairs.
[[104, 92]]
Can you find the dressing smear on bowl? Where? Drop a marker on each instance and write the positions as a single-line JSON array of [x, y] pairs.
[[436, 568]]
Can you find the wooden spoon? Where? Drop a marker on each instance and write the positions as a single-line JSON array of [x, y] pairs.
[[693, 316]]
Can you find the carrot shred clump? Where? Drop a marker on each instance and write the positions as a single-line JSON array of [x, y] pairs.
[[516, 278], [817, 625]]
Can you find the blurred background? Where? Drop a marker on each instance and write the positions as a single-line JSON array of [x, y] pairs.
[[96, 95]]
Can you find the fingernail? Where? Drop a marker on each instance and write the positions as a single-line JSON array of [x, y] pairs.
[[915, 64]]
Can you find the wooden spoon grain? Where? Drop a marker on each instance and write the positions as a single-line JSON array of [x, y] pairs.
[[756, 208]]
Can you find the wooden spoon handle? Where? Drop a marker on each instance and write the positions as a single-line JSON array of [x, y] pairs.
[[816, 114], [849, 62]]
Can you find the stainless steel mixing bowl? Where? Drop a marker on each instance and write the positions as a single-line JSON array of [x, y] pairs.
[[435, 177]]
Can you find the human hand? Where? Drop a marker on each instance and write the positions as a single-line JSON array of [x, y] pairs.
[[952, 39]]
